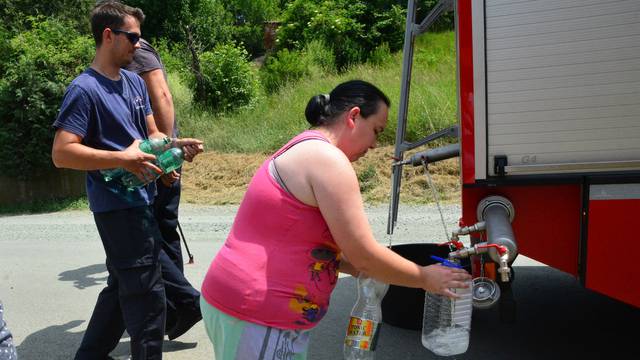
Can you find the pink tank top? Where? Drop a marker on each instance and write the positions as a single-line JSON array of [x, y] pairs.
[[279, 264]]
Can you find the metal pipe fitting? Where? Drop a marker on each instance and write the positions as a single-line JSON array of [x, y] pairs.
[[498, 212], [432, 155], [479, 226], [464, 253]]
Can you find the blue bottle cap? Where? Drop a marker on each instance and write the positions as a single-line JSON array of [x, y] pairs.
[[446, 262]]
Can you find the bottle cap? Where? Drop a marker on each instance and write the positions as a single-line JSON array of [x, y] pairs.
[[446, 262]]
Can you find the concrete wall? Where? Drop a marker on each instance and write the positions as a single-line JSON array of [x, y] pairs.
[[59, 183]]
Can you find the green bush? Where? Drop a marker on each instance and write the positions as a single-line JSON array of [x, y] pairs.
[[208, 22], [282, 68], [321, 56], [381, 55], [353, 29], [230, 80], [388, 27], [5, 47], [333, 22], [16, 14], [250, 37], [41, 63], [175, 58]]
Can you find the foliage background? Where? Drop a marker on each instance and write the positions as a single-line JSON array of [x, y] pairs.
[[250, 98], [41, 62]]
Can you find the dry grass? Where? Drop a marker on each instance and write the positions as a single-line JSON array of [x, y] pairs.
[[218, 178], [222, 178]]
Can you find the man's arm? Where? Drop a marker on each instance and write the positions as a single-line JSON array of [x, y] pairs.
[[161, 100], [191, 147], [152, 128], [69, 152]]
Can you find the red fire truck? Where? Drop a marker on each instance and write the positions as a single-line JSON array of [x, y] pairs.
[[549, 135]]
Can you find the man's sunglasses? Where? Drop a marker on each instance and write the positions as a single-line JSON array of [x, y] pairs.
[[131, 36]]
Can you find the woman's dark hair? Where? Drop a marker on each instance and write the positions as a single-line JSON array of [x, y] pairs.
[[111, 14], [323, 109]]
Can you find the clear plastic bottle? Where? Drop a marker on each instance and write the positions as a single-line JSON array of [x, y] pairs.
[[155, 146], [169, 160], [366, 318], [447, 322]]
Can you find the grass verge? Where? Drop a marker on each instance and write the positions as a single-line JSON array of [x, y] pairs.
[[46, 206]]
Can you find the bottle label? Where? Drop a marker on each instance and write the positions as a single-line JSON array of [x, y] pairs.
[[362, 334]]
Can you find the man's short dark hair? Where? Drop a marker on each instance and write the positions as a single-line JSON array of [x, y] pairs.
[[111, 14]]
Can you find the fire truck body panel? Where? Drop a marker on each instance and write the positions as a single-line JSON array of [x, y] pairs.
[[611, 265], [549, 101], [556, 86]]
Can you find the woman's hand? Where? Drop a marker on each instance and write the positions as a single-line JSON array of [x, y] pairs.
[[440, 279]]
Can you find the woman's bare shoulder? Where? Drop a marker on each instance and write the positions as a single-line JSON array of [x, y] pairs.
[[319, 149], [316, 160]]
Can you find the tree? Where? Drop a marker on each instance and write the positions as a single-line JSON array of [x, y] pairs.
[[192, 25], [208, 22]]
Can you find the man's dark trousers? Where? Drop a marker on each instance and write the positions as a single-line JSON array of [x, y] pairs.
[[165, 206], [135, 294], [182, 298]]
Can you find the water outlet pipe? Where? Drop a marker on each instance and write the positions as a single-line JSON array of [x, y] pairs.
[[497, 212]]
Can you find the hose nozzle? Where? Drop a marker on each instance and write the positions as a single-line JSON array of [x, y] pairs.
[[503, 269]]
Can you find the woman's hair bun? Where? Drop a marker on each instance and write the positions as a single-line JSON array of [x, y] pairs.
[[325, 99], [317, 109]]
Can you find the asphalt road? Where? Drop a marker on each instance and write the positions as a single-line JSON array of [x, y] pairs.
[[52, 268]]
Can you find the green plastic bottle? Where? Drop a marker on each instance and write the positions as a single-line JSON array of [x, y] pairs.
[[155, 146], [170, 160]]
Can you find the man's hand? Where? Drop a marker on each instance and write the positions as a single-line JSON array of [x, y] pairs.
[[170, 178], [191, 147], [139, 163]]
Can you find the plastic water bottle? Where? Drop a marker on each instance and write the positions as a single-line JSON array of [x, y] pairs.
[[112, 174], [170, 160], [447, 322], [366, 318], [155, 146]]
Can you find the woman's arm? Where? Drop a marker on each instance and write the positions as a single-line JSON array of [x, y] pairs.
[[337, 192], [346, 267]]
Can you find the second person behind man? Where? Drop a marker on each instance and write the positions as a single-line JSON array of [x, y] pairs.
[[183, 307]]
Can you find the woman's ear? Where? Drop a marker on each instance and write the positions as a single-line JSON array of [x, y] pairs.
[[352, 115]]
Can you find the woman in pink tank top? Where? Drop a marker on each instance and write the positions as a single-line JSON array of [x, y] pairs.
[[301, 218]]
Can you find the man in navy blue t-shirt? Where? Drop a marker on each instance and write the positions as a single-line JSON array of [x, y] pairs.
[[104, 115]]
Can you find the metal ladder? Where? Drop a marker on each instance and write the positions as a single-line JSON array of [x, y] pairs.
[[412, 30]]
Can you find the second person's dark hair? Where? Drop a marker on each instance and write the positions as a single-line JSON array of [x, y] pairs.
[[323, 109]]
